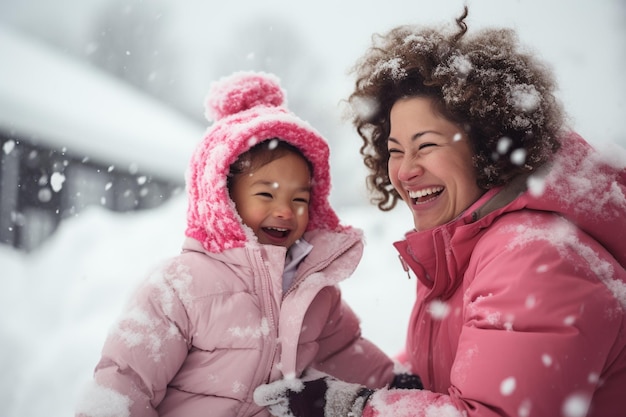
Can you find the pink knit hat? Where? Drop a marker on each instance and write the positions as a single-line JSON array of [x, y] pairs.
[[248, 108]]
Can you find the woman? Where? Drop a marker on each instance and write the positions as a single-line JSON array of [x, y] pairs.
[[517, 247]]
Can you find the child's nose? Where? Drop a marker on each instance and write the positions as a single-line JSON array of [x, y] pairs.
[[283, 211]]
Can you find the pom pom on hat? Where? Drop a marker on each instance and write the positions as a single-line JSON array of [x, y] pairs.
[[242, 91]]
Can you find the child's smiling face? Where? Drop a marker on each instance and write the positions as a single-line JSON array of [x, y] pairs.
[[273, 200]]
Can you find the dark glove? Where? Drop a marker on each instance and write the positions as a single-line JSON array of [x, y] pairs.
[[317, 395], [406, 381]]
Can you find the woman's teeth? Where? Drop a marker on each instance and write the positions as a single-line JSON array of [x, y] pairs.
[[425, 192]]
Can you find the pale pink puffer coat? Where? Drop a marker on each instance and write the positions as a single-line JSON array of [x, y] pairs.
[[206, 329], [521, 301]]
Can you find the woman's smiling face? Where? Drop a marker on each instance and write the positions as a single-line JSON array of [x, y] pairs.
[[430, 163]]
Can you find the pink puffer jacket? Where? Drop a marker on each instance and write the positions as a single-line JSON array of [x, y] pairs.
[[521, 302], [206, 329]]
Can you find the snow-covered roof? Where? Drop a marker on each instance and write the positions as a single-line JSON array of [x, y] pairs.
[[63, 102]]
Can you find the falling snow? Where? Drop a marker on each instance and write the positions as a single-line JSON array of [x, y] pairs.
[[56, 181], [8, 146], [508, 386], [99, 255], [576, 405]]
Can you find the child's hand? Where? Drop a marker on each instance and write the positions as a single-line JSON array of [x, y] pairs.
[[406, 381], [323, 396]]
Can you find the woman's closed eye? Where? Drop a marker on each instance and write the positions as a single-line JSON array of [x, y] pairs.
[[426, 145]]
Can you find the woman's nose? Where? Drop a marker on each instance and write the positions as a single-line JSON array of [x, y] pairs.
[[409, 169]]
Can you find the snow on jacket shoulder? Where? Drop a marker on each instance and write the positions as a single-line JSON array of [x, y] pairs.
[[521, 301], [206, 329]]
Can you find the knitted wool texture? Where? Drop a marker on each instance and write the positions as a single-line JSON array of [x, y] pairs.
[[248, 108]]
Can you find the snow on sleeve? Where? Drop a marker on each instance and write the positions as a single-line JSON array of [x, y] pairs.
[[99, 401], [613, 155], [562, 236], [140, 324], [172, 282], [251, 332], [587, 181]]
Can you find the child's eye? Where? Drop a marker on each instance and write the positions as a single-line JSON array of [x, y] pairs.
[[301, 200], [264, 194]]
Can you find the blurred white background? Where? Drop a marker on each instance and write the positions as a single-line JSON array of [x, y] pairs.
[[173, 50], [59, 300]]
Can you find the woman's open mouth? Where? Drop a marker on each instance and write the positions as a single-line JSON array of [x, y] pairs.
[[425, 195]]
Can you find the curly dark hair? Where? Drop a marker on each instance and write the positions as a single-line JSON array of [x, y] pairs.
[[486, 83]]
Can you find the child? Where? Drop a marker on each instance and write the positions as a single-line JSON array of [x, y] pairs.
[[253, 296]]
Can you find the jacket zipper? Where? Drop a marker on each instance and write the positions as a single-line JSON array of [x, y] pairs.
[[267, 293], [431, 368]]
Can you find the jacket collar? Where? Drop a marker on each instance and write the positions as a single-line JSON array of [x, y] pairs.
[[439, 256], [326, 248]]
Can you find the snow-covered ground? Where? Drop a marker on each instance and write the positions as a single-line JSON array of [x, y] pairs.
[[57, 303]]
